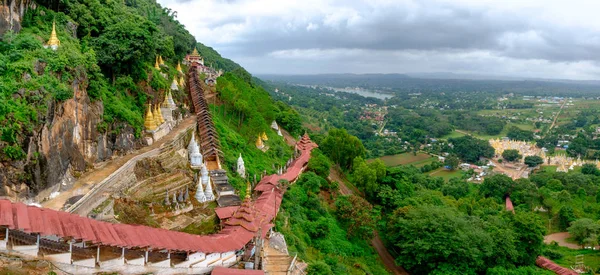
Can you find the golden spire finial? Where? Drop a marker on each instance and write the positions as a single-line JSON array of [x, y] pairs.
[[161, 120], [195, 52], [149, 123], [155, 116], [248, 190], [53, 41], [179, 67], [259, 143]]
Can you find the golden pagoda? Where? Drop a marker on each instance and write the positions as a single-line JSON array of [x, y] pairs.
[[155, 117], [160, 60], [156, 64], [264, 136], [248, 190], [165, 102], [179, 68], [181, 82], [53, 43], [149, 123], [259, 143], [158, 113]]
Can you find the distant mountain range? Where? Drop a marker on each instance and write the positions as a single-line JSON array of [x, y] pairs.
[[446, 82]]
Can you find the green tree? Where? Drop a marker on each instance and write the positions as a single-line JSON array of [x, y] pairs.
[[319, 163], [589, 169], [319, 268], [342, 147], [452, 162], [438, 239], [456, 188], [530, 232], [470, 149], [358, 215], [511, 155], [582, 230], [533, 161], [566, 216], [497, 186]]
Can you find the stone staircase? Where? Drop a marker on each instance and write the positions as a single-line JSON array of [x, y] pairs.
[[277, 264], [155, 188]]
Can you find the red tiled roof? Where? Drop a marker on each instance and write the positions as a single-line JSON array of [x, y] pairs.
[[226, 212], [509, 205], [255, 215], [219, 270], [550, 265]]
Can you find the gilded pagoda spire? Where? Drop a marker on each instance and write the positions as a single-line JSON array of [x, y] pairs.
[[195, 52], [160, 60], [155, 117], [149, 123], [159, 114], [53, 42], [259, 143], [179, 68], [181, 81], [248, 190], [156, 65], [264, 136]]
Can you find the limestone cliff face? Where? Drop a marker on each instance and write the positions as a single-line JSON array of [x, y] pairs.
[[11, 14], [63, 147]]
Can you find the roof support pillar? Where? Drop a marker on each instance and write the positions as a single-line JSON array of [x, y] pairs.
[[123, 252], [71, 246], [98, 254], [168, 254], [146, 257], [37, 242]]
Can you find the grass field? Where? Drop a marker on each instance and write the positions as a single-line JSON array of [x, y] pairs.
[[407, 158], [591, 258], [445, 174]]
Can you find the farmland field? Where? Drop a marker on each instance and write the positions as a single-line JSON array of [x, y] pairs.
[[407, 158]]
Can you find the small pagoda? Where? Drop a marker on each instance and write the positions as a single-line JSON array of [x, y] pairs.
[[53, 42]]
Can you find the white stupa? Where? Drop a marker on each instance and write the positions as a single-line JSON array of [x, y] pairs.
[[194, 152], [274, 125], [200, 197], [174, 86], [206, 182], [279, 132], [169, 102], [241, 169]]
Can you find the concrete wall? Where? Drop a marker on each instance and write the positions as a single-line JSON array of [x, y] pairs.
[[59, 258]]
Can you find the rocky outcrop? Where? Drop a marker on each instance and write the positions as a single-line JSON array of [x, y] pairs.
[[12, 12], [65, 145]]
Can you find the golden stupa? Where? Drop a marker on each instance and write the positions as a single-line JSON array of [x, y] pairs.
[[179, 68], [155, 117], [248, 190], [158, 112], [264, 136], [195, 52], [181, 82], [165, 102], [149, 123], [160, 60], [53, 42], [259, 143], [156, 66]]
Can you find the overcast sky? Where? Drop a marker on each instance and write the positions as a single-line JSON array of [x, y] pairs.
[[528, 38]]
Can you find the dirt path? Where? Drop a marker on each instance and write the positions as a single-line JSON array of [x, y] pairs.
[[556, 117], [561, 239], [384, 254], [85, 183]]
